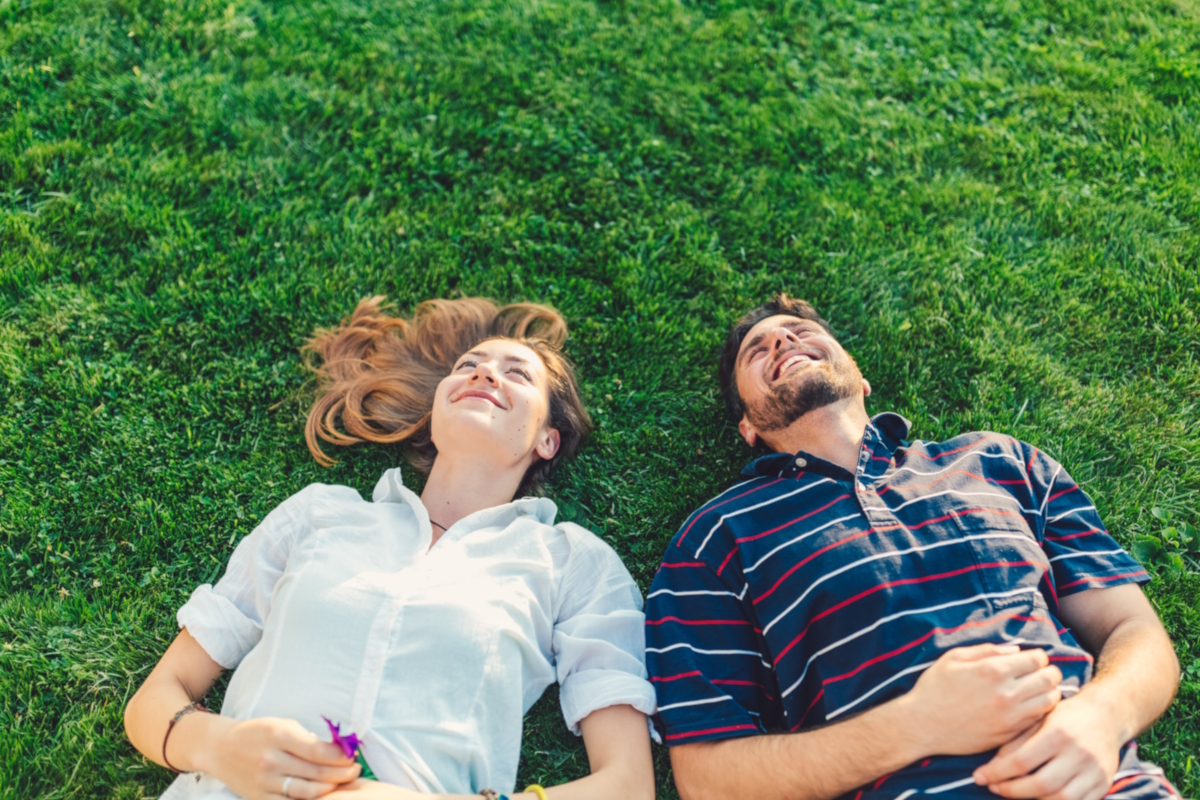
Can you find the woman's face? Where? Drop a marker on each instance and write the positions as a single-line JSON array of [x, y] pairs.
[[495, 404]]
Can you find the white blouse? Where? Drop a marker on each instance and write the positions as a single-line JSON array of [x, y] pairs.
[[338, 607]]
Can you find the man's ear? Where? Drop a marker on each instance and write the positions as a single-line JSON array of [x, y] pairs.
[[747, 431], [548, 444], [866, 388]]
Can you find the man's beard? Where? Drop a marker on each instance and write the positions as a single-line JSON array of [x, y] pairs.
[[815, 387]]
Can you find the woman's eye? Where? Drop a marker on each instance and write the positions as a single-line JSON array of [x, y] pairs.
[[522, 373], [465, 364]]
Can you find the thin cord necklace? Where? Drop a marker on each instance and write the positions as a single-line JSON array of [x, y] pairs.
[[440, 525]]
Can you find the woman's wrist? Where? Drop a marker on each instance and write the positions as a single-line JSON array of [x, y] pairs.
[[192, 741]]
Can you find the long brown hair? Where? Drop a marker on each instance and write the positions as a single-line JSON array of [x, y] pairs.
[[377, 374]]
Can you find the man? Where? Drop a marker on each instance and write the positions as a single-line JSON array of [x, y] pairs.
[[868, 617]]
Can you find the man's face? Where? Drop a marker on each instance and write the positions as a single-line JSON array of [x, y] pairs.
[[787, 367]]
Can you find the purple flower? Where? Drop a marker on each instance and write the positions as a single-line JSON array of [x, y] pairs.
[[349, 742]]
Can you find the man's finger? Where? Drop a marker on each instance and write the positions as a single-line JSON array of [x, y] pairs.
[[1032, 710], [1023, 663], [1039, 682], [1014, 759], [978, 651], [1051, 778]]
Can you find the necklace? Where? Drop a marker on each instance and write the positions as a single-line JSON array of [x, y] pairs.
[[440, 525]]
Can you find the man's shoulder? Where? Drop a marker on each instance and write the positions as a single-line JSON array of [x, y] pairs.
[[973, 443], [697, 530]]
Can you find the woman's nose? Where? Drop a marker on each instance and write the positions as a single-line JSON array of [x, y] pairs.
[[484, 372]]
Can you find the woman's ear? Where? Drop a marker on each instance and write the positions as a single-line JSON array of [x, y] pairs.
[[548, 444]]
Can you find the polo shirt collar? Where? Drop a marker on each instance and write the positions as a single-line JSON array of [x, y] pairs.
[[884, 434]]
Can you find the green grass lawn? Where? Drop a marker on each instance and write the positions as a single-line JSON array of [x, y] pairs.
[[994, 202]]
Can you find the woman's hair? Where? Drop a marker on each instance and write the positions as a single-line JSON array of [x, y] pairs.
[[377, 374]]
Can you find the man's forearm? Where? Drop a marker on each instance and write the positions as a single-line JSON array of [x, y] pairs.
[[1137, 675], [814, 765]]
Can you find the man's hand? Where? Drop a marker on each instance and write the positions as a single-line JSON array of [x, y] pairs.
[[976, 698], [254, 758], [1075, 748]]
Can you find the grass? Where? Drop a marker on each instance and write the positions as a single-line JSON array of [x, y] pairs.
[[995, 203]]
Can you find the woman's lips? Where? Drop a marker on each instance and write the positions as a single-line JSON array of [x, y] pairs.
[[480, 395]]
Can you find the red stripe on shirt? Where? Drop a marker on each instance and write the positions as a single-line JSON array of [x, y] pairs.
[[901, 582], [1102, 580], [810, 557], [957, 449], [697, 621], [1075, 535], [808, 710], [922, 639], [692, 674], [718, 505], [793, 522], [713, 730], [1054, 497]]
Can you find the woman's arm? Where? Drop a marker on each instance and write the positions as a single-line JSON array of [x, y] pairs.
[[253, 757], [618, 748]]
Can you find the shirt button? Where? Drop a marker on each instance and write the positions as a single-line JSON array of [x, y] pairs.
[[862, 488], [800, 462]]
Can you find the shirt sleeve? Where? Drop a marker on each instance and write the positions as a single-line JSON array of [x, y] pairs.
[[227, 619], [704, 656], [599, 639], [1082, 554]]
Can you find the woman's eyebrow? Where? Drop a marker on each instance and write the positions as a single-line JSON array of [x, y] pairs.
[[510, 359]]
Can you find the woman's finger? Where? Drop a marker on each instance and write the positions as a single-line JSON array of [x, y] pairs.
[[303, 744], [300, 789], [322, 773]]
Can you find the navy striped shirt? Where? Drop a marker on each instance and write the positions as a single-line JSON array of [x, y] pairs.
[[807, 594]]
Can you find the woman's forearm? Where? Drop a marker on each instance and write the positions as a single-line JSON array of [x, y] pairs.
[[185, 673]]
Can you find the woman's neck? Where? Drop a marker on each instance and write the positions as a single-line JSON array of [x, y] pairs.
[[459, 487]]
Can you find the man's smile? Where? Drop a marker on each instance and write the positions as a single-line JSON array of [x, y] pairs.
[[792, 361]]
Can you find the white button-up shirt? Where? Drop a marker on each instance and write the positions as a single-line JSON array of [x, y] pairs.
[[338, 607]]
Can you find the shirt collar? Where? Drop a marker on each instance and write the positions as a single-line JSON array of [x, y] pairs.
[[885, 434], [390, 489]]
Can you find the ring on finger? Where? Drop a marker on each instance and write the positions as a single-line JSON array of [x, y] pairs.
[[286, 783]]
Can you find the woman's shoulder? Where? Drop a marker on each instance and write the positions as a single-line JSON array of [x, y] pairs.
[[592, 567]]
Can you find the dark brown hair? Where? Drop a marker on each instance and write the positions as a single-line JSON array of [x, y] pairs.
[[726, 366], [377, 374]]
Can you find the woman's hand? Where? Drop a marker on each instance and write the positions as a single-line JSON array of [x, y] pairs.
[[254, 758]]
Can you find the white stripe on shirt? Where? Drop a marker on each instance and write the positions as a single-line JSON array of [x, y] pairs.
[[889, 554], [724, 517]]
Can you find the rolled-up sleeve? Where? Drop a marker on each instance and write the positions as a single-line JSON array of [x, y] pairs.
[[227, 619], [599, 639]]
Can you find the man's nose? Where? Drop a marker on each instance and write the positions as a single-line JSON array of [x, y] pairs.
[[783, 337]]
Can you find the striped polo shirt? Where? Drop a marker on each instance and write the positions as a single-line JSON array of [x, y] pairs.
[[806, 593]]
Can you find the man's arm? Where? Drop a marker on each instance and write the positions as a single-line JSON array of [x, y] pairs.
[[971, 700], [1075, 749]]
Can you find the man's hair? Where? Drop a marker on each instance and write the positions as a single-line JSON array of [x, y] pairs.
[[726, 367]]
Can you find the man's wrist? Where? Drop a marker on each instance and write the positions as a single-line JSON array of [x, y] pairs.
[[1118, 717], [900, 718]]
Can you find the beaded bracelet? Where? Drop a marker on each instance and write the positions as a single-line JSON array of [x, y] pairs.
[[188, 709], [492, 794]]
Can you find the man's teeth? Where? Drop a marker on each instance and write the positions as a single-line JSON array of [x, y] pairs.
[[793, 360]]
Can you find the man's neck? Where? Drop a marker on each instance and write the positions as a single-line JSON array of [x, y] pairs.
[[833, 432], [457, 488]]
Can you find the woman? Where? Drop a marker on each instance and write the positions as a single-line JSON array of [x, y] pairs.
[[426, 625]]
